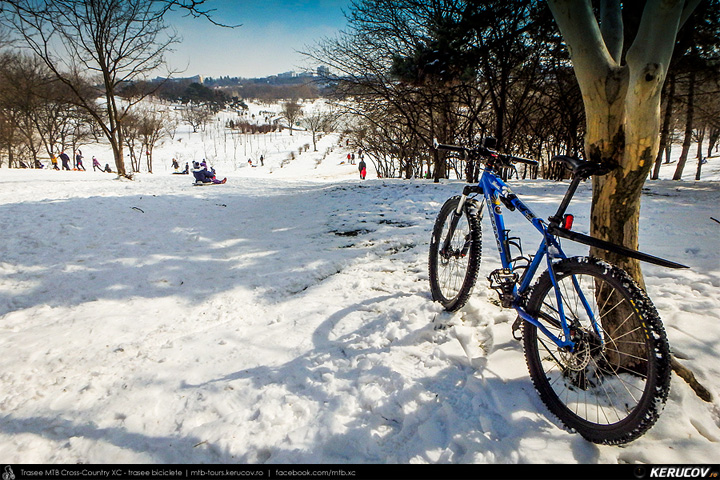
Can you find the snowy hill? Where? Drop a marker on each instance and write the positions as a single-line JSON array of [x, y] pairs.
[[286, 317]]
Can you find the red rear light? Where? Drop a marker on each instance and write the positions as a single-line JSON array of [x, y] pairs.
[[568, 221]]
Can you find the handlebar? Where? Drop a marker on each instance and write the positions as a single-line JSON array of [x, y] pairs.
[[482, 151]]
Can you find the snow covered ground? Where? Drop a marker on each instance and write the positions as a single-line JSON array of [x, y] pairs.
[[286, 317]]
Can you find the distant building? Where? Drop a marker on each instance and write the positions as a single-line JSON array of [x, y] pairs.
[[196, 79]]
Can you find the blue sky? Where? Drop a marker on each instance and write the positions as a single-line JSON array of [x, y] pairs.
[[267, 42]]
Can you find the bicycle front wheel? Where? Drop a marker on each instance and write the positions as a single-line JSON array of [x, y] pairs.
[[613, 386], [455, 249]]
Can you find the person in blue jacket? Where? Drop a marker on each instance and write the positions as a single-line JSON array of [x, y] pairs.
[[65, 161], [203, 175]]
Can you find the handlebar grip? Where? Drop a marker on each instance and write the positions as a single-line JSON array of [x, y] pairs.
[[453, 148], [526, 161]]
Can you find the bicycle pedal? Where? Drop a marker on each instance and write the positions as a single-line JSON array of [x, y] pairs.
[[503, 281], [502, 276]]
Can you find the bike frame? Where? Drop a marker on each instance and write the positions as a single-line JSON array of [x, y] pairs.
[[497, 193]]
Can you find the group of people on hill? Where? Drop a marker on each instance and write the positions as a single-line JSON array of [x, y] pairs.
[[202, 174], [176, 166], [77, 164]]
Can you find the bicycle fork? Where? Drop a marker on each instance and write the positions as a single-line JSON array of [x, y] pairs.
[[445, 250]]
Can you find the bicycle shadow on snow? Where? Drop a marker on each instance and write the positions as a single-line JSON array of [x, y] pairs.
[[444, 413]]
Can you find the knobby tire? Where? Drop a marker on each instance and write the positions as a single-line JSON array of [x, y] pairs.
[[452, 274], [612, 388]]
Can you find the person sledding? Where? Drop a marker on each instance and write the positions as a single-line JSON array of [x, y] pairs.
[[185, 171], [203, 175]]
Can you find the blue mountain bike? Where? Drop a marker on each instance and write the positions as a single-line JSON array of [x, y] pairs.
[[594, 344]]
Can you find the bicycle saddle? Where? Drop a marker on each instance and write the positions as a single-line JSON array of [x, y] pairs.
[[583, 168]]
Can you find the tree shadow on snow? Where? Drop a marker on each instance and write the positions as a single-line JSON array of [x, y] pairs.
[[68, 252], [62, 432]]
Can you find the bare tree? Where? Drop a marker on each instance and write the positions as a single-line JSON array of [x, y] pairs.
[[22, 79], [53, 114], [40, 110], [291, 111], [131, 139], [319, 121], [117, 40], [197, 115], [154, 125]]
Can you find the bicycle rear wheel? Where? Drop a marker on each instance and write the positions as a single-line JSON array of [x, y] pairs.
[[613, 386], [453, 266]]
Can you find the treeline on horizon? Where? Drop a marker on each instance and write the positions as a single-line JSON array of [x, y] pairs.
[[231, 90]]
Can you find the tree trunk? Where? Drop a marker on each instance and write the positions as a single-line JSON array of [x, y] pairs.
[[688, 128], [622, 107], [616, 197], [114, 129], [439, 166], [665, 133], [701, 137], [148, 157], [712, 139], [500, 110]]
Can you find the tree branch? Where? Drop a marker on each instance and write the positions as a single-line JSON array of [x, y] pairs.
[[656, 34], [192, 8], [686, 374], [581, 33]]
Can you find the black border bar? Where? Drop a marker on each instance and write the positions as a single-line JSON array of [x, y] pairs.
[[362, 471]]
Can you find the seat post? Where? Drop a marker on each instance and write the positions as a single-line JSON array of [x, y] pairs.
[[558, 217]]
